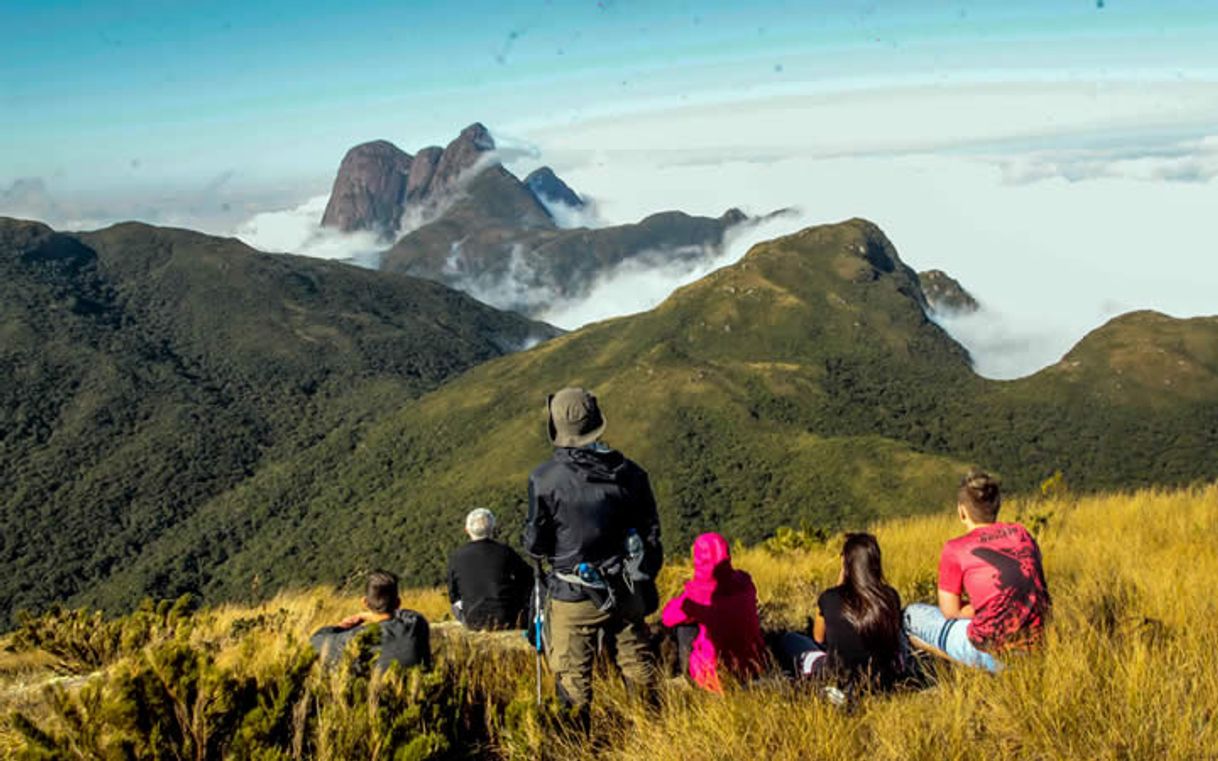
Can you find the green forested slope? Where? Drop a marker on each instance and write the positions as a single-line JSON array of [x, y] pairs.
[[147, 370], [803, 385]]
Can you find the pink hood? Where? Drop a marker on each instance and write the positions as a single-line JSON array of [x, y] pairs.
[[712, 569], [723, 603]]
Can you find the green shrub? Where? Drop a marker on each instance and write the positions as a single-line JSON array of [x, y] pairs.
[[83, 641], [175, 699], [786, 539]]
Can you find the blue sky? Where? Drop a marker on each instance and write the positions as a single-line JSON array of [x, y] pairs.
[[107, 95], [1059, 157]]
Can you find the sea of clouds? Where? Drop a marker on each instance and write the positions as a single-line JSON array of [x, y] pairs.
[[1058, 205]]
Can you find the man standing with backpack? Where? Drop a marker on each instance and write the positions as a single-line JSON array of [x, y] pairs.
[[592, 517]]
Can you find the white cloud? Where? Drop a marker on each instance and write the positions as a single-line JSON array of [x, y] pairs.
[[520, 286], [1054, 203], [298, 230], [1005, 348], [1118, 209], [216, 206], [572, 217], [643, 282], [1149, 160]]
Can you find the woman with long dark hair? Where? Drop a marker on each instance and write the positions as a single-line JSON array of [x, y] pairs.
[[856, 636]]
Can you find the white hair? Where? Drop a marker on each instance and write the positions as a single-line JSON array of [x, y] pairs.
[[480, 523]]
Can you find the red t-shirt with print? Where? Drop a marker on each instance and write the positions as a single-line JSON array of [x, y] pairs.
[[999, 567]]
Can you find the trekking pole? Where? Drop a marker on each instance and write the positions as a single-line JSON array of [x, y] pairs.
[[537, 622]]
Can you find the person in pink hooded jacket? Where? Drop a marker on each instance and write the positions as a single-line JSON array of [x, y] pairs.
[[722, 603]]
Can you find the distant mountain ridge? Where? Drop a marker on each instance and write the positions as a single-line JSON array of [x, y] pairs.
[[529, 271], [459, 217]]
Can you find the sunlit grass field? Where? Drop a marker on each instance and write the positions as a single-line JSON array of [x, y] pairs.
[[1128, 671]]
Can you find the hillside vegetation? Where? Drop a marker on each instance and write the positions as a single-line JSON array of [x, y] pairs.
[[803, 386], [147, 370], [249, 422], [1126, 671]]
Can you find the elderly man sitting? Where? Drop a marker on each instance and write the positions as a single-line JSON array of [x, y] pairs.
[[488, 583]]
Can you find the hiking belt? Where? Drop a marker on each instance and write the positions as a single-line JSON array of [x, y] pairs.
[[599, 589], [579, 581]]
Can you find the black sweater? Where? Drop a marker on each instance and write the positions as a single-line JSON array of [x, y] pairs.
[[492, 582]]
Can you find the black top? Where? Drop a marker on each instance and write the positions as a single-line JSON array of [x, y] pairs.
[[405, 639], [582, 504], [849, 655], [492, 582]]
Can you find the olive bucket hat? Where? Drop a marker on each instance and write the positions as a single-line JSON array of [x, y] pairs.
[[574, 418]]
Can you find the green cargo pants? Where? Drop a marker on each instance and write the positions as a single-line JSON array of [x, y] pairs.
[[572, 641]]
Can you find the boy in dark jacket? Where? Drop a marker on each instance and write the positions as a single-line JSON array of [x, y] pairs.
[[405, 635], [592, 516]]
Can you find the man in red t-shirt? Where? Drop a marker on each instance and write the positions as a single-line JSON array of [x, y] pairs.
[[998, 566]]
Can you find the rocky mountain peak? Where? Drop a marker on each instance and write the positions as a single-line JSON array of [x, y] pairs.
[[421, 171], [734, 216], [377, 181], [369, 191], [945, 294], [549, 188], [459, 156]]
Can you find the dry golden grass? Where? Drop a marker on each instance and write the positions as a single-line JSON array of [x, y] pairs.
[[1128, 671]]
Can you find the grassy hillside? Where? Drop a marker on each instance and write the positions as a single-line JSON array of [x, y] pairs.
[[147, 370], [1126, 671]]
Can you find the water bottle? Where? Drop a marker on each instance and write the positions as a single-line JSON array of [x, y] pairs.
[[634, 557], [634, 545]]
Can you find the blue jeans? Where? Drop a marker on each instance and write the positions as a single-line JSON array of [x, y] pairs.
[[927, 623], [798, 654]]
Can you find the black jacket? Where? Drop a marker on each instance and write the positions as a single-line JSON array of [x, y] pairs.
[[492, 582], [405, 639], [582, 504]]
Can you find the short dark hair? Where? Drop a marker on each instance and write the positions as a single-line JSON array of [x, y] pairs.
[[981, 495], [381, 593]]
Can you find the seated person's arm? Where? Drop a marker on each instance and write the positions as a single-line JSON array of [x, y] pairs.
[[454, 592], [522, 575], [951, 587], [352, 621], [329, 642], [951, 607], [675, 613], [423, 644], [818, 629]]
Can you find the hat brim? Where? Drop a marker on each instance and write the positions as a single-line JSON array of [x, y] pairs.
[[581, 440], [571, 441]]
